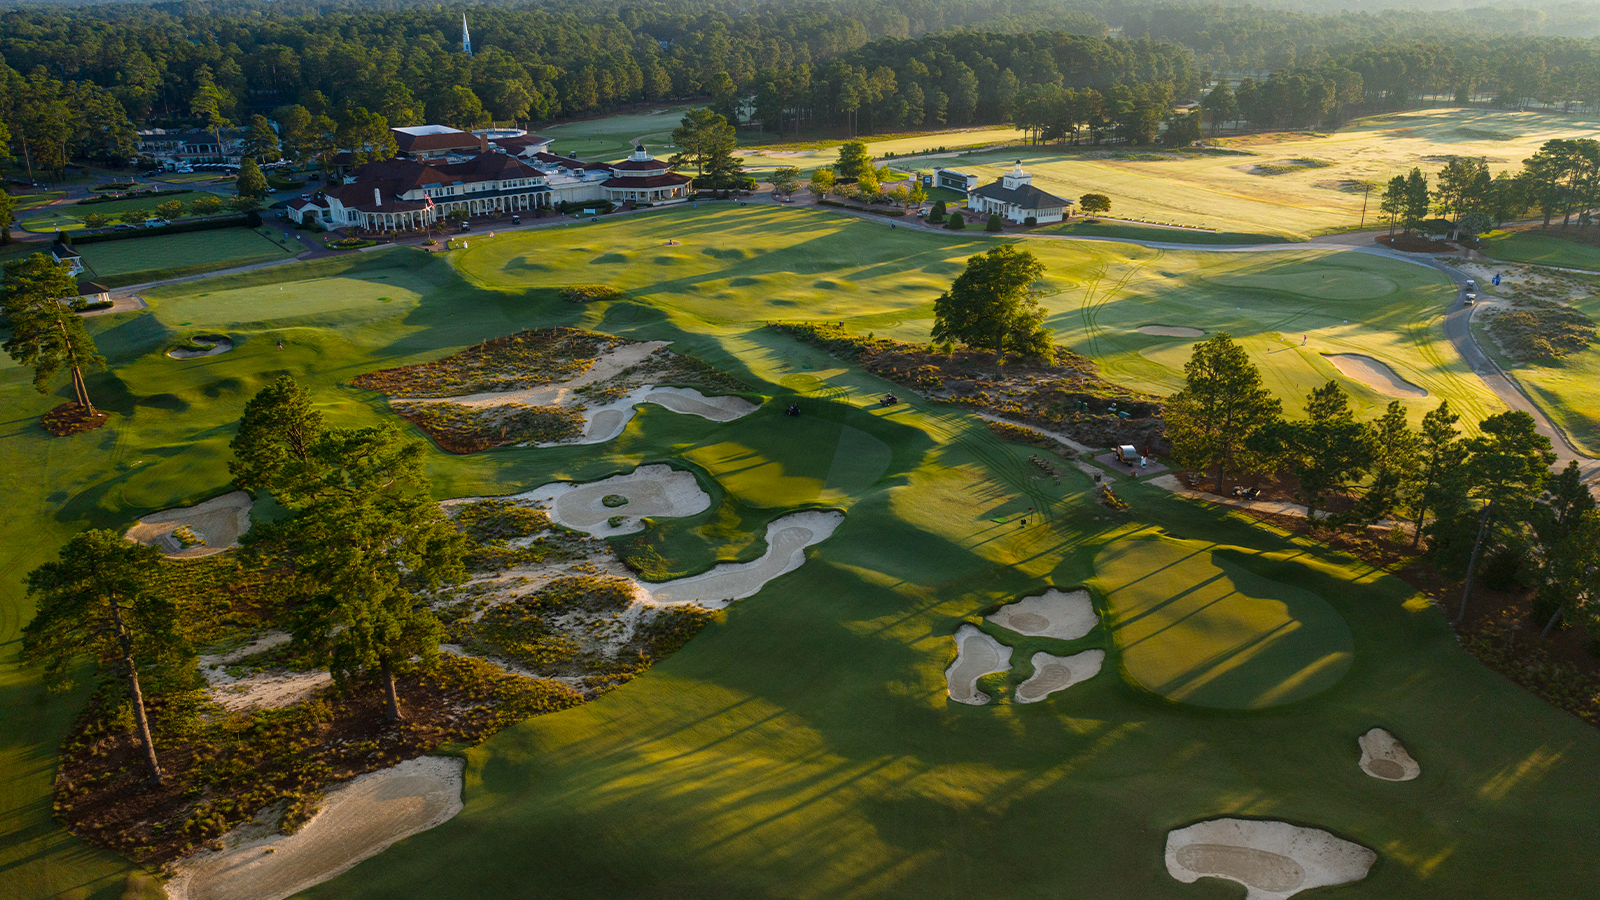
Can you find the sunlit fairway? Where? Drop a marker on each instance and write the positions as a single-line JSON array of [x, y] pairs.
[[1543, 249], [760, 263], [806, 747], [612, 137], [1317, 182]]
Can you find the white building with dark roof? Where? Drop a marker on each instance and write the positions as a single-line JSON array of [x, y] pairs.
[[1016, 199], [406, 194], [644, 179]]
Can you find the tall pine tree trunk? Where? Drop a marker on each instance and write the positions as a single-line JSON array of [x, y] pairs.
[[1472, 565], [136, 696], [390, 695]]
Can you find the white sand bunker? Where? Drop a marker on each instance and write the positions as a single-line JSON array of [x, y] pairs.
[[977, 655], [199, 530], [261, 690], [1170, 331], [1273, 860], [1383, 756], [1066, 616], [604, 422], [212, 344], [787, 540], [1375, 375], [657, 490], [1057, 673], [360, 819]]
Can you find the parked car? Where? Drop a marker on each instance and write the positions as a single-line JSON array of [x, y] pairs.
[[122, 226]]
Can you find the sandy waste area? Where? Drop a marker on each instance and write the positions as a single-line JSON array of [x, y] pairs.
[[217, 522], [1374, 374], [358, 820], [977, 655], [620, 368], [657, 490], [214, 344], [1170, 331], [1273, 860], [273, 689], [787, 540], [1384, 757], [1056, 614], [1057, 673]]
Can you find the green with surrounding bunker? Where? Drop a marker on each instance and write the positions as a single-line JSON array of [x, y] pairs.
[[1195, 626], [806, 747]]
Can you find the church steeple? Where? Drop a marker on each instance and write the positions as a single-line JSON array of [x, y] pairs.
[[466, 36]]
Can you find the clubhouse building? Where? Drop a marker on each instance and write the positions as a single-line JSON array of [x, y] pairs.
[[434, 178], [1016, 199]]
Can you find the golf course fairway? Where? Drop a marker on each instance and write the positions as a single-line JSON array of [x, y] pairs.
[[805, 745], [1197, 628]]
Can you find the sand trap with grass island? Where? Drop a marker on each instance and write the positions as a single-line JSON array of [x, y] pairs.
[[657, 490], [212, 344], [787, 540], [1178, 331], [1065, 616], [1057, 673], [606, 421], [1375, 375], [977, 655], [217, 524], [1273, 860], [358, 820], [1385, 758]]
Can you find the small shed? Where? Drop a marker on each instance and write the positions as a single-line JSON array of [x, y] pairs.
[[64, 254], [92, 292]]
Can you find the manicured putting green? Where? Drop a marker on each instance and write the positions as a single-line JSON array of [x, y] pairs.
[[1198, 628]]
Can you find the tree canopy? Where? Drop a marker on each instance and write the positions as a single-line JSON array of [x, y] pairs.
[[994, 302], [45, 333]]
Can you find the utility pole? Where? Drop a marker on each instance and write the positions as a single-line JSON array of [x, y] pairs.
[[1364, 196]]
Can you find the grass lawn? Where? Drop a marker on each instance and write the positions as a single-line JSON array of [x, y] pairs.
[[1542, 249], [163, 255], [1136, 232], [25, 202], [613, 137], [1315, 183], [806, 747], [70, 217], [816, 154]]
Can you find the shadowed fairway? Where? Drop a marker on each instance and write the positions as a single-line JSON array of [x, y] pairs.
[[805, 748], [1195, 627]]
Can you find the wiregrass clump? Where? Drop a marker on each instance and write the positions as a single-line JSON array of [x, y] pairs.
[[1541, 330]]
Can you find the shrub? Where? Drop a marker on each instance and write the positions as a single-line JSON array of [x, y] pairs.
[[174, 228], [600, 207], [994, 225], [614, 500], [956, 223], [590, 293], [1030, 221], [936, 216]]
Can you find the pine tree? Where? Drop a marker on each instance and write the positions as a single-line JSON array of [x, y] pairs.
[[1222, 409], [45, 333]]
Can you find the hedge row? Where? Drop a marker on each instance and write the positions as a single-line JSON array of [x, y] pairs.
[[140, 196], [896, 213], [250, 220]]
